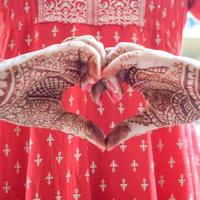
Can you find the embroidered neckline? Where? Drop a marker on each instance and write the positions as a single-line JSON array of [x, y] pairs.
[[94, 12]]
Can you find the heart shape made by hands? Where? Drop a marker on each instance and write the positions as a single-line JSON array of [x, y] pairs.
[[32, 85]]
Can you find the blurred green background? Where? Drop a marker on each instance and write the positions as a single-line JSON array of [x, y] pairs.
[[191, 38], [191, 44], [191, 47]]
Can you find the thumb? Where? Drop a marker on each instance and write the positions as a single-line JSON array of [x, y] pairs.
[[114, 89], [134, 126], [77, 125], [92, 67], [112, 86]]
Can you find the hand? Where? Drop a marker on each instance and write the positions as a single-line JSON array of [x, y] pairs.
[[170, 84], [31, 86], [111, 86]]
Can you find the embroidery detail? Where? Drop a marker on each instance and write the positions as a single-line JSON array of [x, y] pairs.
[[95, 12], [73, 11], [124, 12]]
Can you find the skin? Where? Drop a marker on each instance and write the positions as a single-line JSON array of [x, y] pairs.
[[31, 87], [170, 84]]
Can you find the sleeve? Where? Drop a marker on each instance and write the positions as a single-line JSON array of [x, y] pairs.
[[194, 8]]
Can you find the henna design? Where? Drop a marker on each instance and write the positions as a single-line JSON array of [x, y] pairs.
[[169, 102], [170, 84], [31, 88]]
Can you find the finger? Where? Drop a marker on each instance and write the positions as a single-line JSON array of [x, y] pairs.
[[90, 40], [142, 59], [121, 48], [109, 49], [97, 91], [134, 126], [93, 72], [24, 58], [90, 63], [95, 135], [113, 85], [88, 57], [69, 39], [114, 89], [76, 125]]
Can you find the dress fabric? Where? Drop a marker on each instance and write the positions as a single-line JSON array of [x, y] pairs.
[[41, 164]]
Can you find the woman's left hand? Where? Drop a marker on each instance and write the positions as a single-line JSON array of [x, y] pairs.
[[170, 84]]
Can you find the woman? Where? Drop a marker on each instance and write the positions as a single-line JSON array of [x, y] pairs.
[[48, 165]]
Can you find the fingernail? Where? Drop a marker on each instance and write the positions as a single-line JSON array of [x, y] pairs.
[[103, 150], [87, 87], [116, 97], [109, 85]]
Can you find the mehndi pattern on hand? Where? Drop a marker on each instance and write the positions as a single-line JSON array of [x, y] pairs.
[[170, 84], [32, 86]]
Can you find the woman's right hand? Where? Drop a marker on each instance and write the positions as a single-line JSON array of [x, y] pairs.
[[31, 86]]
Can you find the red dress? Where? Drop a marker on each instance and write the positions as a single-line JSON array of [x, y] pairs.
[[39, 164]]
